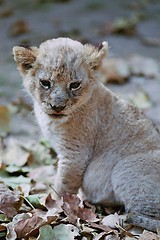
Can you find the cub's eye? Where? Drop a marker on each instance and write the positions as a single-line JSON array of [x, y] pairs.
[[45, 83], [74, 85]]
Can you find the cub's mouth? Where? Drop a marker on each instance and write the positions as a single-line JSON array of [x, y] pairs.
[[57, 115]]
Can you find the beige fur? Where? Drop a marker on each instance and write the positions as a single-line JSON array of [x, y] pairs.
[[105, 145]]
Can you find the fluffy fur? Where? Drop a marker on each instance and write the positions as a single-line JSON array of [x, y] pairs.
[[105, 145]]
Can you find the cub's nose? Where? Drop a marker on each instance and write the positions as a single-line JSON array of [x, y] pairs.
[[57, 108]]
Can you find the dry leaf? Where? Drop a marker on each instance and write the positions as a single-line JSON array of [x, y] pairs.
[[111, 237], [14, 154], [99, 236], [39, 174], [4, 121], [149, 236], [87, 214], [111, 220], [10, 201], [50, 203], [125, 26], [46, 233], [70, 206], [6, 13], [115, 71], [141, 99], [72, 209], [103, 228], [26, 223], [18, 28], [144, 66], [65, 232]]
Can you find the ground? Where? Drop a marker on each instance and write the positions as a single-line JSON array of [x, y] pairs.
[[131, 29]]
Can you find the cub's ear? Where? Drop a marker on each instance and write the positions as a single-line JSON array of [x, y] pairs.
[[95, 55], [25, 57]]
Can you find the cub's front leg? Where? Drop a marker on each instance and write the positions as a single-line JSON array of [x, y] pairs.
[[70, 174]]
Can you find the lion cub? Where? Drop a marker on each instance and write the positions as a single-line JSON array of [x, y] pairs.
[[105, 145]]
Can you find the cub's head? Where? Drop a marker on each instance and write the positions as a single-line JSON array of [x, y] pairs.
[[60, 74]]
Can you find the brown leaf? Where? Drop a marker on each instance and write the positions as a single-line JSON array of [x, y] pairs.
[[50, 203], [32, 221], [18, 28], [149, 236], [103, 227], [6, 13], [4, 120], [126, 26], [2, 228], [15, 154], [70, 206], [73, 211], [87, 214], [89, 205], [10, 201]]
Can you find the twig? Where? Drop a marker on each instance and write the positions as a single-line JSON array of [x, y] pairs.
[[55, 191], [127, 233], [28, 202]]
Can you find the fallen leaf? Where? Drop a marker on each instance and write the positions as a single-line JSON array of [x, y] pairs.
[[87, 214], [39, 174], [3, 218], [14, 182], [46, 233], [38, 187], [70, 206], [16, 169], [6, 13], [3, 231], [131, 238], [4, 121], [111, 237], [111, 220], [34, 199], [11, 234], [86, 229], [103, 228], [10, 201], [149, 236], [22, 104], [143, 66], [26, 223], [65, 232], [115, 70], [15, 155], [99, 236], [18, 28], [73, 211], [126, 26], [141, 99], [48, 202]]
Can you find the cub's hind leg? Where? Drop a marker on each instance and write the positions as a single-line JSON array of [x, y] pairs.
[[140, 194]]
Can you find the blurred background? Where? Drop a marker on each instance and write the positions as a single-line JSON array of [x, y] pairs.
[[132, 29]]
